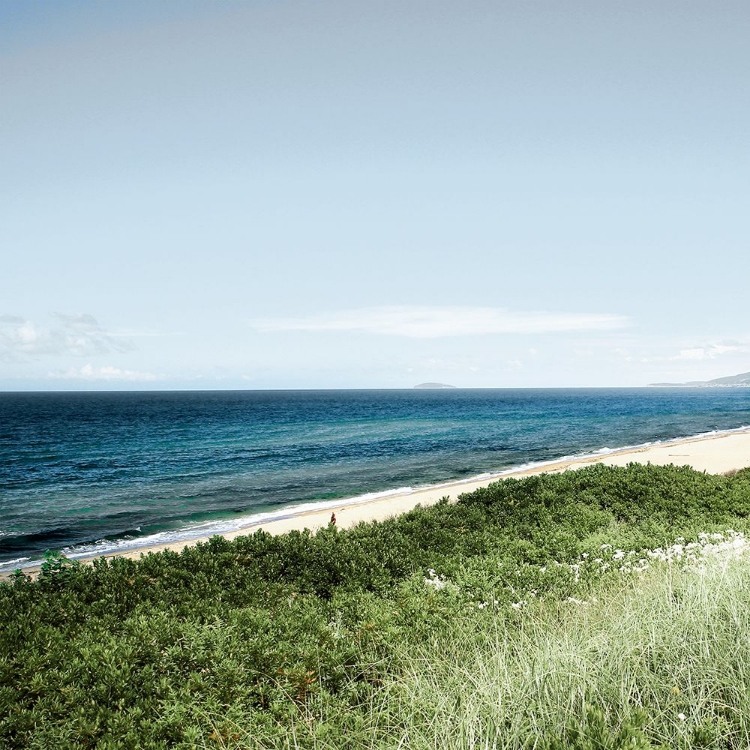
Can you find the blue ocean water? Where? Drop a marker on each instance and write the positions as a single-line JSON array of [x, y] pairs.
[[97, 472]]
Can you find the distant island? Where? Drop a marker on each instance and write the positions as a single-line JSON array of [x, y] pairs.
[[732, 381], [433, 386]]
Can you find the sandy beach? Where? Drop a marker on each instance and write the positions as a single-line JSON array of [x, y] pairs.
[[714, 454]]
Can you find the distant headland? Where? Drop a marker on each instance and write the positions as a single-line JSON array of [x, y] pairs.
[[732, 381], [433, 386]]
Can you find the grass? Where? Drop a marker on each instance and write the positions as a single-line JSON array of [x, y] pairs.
[[649, 659], [664, 651]]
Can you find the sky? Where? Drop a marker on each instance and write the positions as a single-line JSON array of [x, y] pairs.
[[284, 194]]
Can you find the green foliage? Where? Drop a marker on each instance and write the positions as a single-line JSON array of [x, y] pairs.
[[594, 733], [288, 641], [55, 563]]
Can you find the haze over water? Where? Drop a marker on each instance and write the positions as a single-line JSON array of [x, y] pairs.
[[104, 471]]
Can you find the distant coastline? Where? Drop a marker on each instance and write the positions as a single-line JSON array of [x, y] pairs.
[[732, 381], [432, 386]]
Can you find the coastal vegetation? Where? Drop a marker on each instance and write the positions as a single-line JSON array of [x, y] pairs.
[[599, 608]]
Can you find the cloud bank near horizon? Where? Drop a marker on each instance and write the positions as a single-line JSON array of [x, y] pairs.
[[440, 322], [710, 351], [76, 334], [90, 373]]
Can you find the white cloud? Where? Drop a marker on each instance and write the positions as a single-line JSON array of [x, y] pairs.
[[77, 334], [708, 352], [89, 372], [437, 322], [699, 353]]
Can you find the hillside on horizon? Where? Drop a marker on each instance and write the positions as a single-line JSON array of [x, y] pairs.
[[743, 379]]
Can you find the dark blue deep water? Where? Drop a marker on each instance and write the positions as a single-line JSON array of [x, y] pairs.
[[104, 471]]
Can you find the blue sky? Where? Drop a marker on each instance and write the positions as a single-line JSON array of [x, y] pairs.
[[343, 194]]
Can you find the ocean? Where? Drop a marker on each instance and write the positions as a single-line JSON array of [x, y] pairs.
[[102, 472]]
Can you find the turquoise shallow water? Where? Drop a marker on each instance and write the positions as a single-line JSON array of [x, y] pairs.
[[103, 471]]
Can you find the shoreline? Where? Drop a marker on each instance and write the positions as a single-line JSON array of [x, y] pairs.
[[713, 452]]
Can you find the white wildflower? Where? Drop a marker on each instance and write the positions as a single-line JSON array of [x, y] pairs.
[[436, 581]]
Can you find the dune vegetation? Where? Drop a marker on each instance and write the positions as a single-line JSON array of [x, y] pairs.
[[600, 608]]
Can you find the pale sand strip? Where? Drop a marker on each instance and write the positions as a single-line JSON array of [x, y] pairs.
[[714, 454]]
